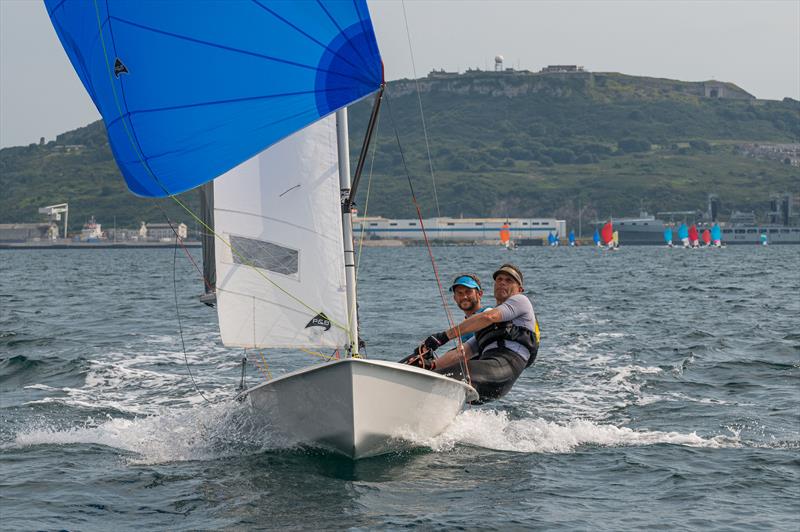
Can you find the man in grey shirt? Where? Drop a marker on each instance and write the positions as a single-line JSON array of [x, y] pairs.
[[506, 341]]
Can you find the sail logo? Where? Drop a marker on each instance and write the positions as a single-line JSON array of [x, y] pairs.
[[320, 320], [119, 68]]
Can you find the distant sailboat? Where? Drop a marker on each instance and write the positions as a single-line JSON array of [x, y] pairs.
[[607, 233], [596, 238], [668, 236], [552, 239], [694, 236], [505, 237], [571, 237], [716, 236], [764, 240], [615, 239], [706, 237], [683, 235]]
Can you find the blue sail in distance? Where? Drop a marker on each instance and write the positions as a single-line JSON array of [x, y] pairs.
[[571, 236], [683, 232], [668, 235], [716, 233], [596, 236], [188, 90]]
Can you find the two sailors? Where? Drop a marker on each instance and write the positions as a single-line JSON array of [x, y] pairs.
[[505, 342]]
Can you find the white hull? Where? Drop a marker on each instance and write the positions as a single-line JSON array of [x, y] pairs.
[[358, 407]]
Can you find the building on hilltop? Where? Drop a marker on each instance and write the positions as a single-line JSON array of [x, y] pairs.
[[715, 89], [561, 69]]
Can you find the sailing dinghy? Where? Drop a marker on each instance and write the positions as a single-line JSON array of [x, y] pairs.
[[253, 95]]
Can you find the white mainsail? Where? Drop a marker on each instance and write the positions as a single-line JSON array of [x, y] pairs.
[[281, 282]]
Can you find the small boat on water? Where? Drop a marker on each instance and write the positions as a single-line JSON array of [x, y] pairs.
[[505, 237], [716, 236], [607, 234], [706, 236], [683, 235], [572, 238], [668, 236], [248, 100], [694, 236]]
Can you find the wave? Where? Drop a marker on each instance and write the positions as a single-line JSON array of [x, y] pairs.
[[494, 430], [203, 432]]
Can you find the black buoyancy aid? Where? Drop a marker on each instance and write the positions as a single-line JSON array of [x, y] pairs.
[[507, 331]]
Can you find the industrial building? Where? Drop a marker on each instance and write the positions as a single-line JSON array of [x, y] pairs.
[[460, 229]]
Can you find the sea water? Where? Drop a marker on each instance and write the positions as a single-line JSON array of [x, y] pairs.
[[666, 394]]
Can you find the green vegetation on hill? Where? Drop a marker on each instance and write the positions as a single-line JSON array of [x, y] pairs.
[[502, 144]]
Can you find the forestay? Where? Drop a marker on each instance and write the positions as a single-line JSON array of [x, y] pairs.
[[281, 213]]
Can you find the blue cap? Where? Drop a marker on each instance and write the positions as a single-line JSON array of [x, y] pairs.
[[465, 280]]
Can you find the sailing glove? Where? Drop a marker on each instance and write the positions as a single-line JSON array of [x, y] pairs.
[[435, 341], [425, 361]]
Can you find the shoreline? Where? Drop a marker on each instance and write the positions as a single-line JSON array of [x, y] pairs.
[[96, 245]]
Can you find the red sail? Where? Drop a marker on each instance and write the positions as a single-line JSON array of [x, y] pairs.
[[693, 235], [607, 233], [707, 237]]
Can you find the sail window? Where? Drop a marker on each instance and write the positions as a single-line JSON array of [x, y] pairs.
[[265, 255]]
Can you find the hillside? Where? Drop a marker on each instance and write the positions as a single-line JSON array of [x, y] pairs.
[[502, 144]]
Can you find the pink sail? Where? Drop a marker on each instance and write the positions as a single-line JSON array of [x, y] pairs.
[[693, 234]]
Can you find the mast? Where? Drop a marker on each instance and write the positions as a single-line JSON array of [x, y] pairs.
[[347, 227], [207, 238]]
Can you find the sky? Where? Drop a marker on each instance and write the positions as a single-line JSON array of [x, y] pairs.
[[754, 44]]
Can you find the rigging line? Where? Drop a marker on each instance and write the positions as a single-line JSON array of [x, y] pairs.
[[450, 320], [255, 363], [366, 201], [178, 314], [264, 361], [421, 113]]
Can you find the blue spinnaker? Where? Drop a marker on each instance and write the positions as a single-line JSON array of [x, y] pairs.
[[596, 236], [668, 235], [188, 90], [683, 232], [716, 233], [571, 236]]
